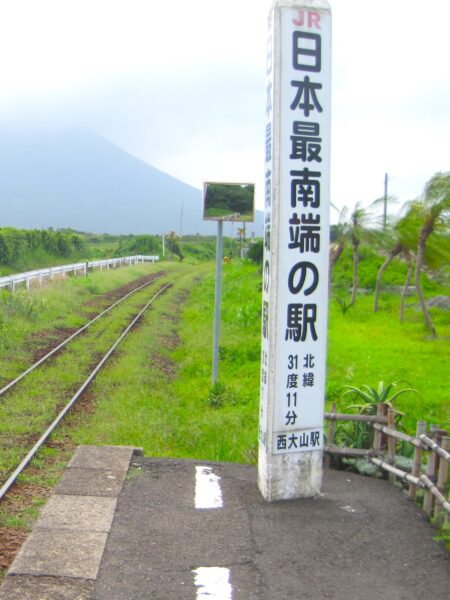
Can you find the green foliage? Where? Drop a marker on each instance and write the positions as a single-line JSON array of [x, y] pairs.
[[372, 397], [4, 252], [334, 233], [102, 245], [194, 248], [26, 250], [369, 264], [256, 251], [362, 466], [366, 346], [200, 247], [355, 434], [173, 245], [139, 244], [220, 395], [444, 535], [225, 199], [345, 306], [22, 250]]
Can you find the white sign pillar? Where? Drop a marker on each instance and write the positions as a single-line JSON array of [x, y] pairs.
[[296, 240]]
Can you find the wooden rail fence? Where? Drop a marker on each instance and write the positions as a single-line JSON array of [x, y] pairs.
[[431, 476]]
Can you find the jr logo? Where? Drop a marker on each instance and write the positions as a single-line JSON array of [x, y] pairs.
[[307, 17]]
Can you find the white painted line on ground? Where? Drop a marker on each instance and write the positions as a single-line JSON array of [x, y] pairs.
[[213, 583], [207, 489]]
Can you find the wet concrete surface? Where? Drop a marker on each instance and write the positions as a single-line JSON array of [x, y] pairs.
[[360, 539]]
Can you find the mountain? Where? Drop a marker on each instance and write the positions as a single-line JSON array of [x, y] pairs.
[[82, 181]]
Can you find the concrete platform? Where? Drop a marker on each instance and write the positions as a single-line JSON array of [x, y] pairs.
[[124, 527]]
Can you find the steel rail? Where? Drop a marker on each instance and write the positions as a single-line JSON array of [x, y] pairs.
[[15, 474], [12, 383]]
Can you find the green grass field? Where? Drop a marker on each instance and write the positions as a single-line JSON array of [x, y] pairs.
[[366, 348], [157, 393], [184, 415]]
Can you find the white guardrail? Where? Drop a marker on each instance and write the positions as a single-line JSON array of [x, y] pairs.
[[40, 275]]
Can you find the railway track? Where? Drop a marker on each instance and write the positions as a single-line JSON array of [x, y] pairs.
[[66, 341], [67, 404]]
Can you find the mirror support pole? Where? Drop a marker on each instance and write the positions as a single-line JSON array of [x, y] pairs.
[[217, 301]]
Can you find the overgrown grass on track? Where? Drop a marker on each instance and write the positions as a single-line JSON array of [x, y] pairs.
[[28, 408], [157, 393], [59, 304]]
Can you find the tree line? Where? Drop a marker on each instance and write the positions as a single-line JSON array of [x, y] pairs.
[[22, 249]]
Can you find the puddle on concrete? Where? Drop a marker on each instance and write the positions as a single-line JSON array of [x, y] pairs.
[[213, 583], [208, 493]]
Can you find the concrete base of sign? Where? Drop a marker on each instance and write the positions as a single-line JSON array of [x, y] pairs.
[[289, 476]]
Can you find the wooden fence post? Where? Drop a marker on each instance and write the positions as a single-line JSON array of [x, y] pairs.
[[330, 438], [421, 428], [392, 443], [442, 473], [428, 499], [383, 436], [377, 433]]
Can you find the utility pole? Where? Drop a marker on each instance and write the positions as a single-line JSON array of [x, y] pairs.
[[181, 219]]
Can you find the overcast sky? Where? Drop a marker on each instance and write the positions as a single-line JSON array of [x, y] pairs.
[[181, 85]]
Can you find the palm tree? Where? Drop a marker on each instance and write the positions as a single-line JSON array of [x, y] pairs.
[[361, 227], [408, 259], [396, 239], [431, 215], [396, 250], [337, 248], [174, 246], [358, 227]]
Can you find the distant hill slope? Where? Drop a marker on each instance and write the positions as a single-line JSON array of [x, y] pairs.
[[83, 181]]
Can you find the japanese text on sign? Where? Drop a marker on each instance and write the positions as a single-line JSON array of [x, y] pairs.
[[302, 221]]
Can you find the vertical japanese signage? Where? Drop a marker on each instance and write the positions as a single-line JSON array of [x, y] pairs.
[[296, 240]]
